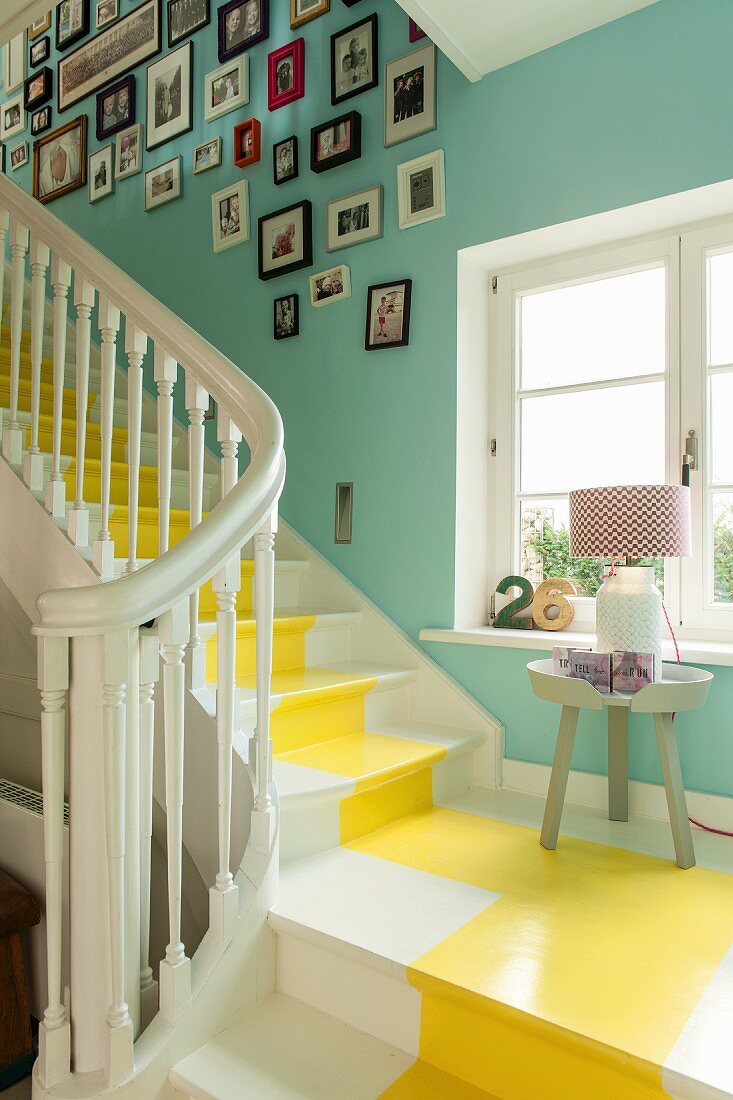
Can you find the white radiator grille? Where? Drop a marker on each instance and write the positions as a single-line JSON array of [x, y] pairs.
[[26, 799]]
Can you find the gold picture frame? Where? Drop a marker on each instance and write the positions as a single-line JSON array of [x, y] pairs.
[[60, 160], [302, 11], [40, 26]]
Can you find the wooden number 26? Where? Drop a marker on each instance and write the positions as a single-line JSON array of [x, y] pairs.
[[547, 595]]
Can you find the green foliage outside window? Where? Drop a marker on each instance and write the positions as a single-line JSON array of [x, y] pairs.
[[552, 546]]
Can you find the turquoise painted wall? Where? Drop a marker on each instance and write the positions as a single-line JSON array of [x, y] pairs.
[[631, 111]]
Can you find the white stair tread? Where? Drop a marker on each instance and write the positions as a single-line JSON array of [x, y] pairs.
[[285, 1050]]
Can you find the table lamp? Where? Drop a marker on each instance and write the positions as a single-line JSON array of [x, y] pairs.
[[630, 521]]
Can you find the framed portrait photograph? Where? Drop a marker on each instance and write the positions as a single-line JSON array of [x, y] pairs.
[[285, 160], [355, 219], [101, 173], [105, 12], [415, 32], [421, 189], [286, 74], [129, 158], [329, 286], [60, 160], [226, 88], [40, 51], [185, 17], [247, 143], [41, 120], [170, 96], [241, 24], [354, 60], [116, 107], [19, 156], [302, 11], [285, 240], [207, 155], [286, 320], [134, 38], [409, 96], [38, 88], [230, 216], [388, 315], [12, 118], [72, 22], [13, 62], [163, 183], [38, 26], [336, 142]]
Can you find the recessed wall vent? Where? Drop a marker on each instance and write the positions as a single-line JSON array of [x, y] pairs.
[[26, 799], [344, 507]]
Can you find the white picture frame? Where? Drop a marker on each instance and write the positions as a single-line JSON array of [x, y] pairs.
[[206, 155], [163, 183], [169, 85], [421, 189], [101, 173], [129, 154], [230, 204], [317, 285], [14, 63], [226, 88], [354, 219], [407, 112], [12, 118], [18, 156]]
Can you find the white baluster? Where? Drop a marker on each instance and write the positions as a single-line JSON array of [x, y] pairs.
[[175, 969], [13, 436], [165, 374], [136, 344], [33, 459], [61, 280], [84, 297], [119, 1025], [4, 226], [264, 552], [109, 326], [149, 673], [197, 402], [54, 1038]]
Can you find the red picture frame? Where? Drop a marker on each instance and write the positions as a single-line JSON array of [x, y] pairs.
[[247, 142], [416, 33], [286, 74]]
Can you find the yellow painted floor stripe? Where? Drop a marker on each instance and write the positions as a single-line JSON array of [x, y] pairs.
[[424, 1082], [370, 758]]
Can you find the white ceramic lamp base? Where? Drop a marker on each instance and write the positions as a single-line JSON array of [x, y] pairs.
[[629, 614]]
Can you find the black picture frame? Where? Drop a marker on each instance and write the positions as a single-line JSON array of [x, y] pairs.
[[406, 307], [275, 154], [306, 260], [77, 35], [41, 120], [239, 45], [349, 3], [336, 159], [40, 47], [370, 21], [295, 298], [103, 97], [204, 22], [44, 75]]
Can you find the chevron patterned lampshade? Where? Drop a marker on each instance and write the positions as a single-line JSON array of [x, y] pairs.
[[641, 521]]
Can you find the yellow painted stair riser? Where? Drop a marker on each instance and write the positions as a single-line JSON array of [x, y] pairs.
[[425, 1082], [147, 486], [207, 596], [371, 809], [321, 717], [68, 439], [147, 538], [288, 650], [46, 397], [26, 366]]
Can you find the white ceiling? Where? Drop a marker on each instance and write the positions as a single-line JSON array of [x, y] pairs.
[[482, 35], [16, 15]]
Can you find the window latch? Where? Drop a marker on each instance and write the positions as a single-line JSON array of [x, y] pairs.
[[493, 448], [689, 458]]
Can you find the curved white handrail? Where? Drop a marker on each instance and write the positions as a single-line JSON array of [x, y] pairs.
[[145, 594]]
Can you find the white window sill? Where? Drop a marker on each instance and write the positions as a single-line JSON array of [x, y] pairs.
[[691, 652]]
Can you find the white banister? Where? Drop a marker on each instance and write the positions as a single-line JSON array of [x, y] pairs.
[[149, 674], [109, 326], [84, 298], [33, 459], [264, 555], [136, 345], [13, 435], [4, 226], [165, 375], [61, 281], [197, 402]]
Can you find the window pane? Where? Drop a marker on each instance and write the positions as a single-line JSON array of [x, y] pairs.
[[723, 548], [598, 437], [609, 328], [721, 401], [720, 280]]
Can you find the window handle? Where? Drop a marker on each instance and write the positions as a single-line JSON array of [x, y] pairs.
[[689, 458]]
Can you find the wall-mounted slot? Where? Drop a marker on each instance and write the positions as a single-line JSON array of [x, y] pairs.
[[344, 507]]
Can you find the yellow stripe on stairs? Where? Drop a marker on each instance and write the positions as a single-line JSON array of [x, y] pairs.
[[288, 650], [424, 1082]]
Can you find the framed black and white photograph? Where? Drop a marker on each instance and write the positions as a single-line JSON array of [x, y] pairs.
[[101, 173], [286, 321], [207, 155], [388, 315], [354, 60], [230, 216], [19, 156], [129, 159], [355, 219], [285, 160], [116, 107], [170, 96], [72, 22], [38, 88], [226, 88], [12, 118], [41, 120], [185, 17], [285, 240], [241, 24], [421, 189], [329, 286], [105, 12], [163, 183], [13, 62], [38, 26], [336, 142], [60, 160], [40, 51], [134, 38], [302, 11], [409, 96]]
